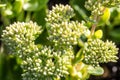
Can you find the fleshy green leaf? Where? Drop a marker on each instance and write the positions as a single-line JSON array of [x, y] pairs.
[[18, 5], [98, 34], [95, 71], [80, 11], [39, 16], [115, 35]]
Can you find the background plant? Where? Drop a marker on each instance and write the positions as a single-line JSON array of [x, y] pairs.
[[73, 68]]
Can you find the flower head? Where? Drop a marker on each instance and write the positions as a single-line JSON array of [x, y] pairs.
[[20, 34], [60, 13], [66, 33], [47, 63], [61, 30], [96, 51], [96, 6]]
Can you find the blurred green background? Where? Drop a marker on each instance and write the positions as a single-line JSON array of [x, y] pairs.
[[35, 10]]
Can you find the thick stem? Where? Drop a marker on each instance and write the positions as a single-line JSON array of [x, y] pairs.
[[28, 16], [93, 29], [94, 26], [96, 18]]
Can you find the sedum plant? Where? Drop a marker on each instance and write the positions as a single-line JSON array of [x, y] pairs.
[[68, 56]]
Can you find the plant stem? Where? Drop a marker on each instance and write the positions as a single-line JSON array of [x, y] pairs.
[[94, 26], [96, 18], [28, 16]]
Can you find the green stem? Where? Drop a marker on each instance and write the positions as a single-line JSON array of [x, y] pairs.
[[78, 58], [28, 16]]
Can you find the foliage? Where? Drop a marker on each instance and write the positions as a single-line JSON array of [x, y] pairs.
[[23, 10], [57, 47]]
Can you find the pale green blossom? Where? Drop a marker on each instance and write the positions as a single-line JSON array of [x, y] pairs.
[[66, 33], [20, 35], [97, 51], [47, 63], [59, 13], [97, 6]]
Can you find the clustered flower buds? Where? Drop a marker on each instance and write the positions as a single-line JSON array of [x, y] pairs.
[[20, 34], [97, 51], [50, 62], [38, 63], [110, 3], [66, 33], [61, 30], [60, 13], [46, 64], [96, 6]]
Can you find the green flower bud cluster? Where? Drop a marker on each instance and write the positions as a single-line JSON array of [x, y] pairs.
[[66, 33], [38, 63], [97, 51], [59, 13], [43, 62], [20, 34], [46, 64], [62, 31], [111, 3], [96, 6]]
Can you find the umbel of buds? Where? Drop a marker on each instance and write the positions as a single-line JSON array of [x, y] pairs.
[[20, 34], [61, 30], [38, 62], [66, 33], [96, 6], [59, 13], [46, 64], [97, 51]]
